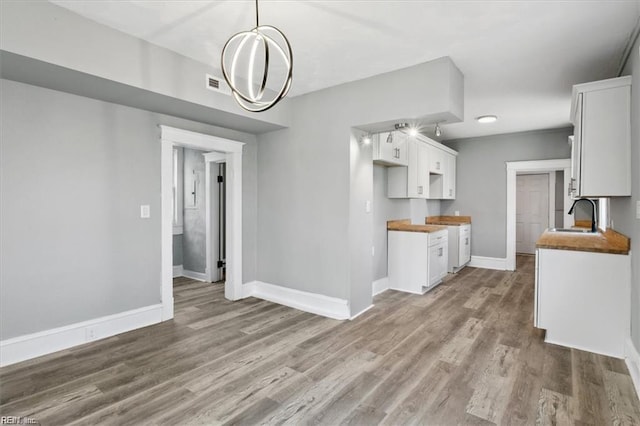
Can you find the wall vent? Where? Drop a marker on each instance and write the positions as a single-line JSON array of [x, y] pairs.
[[217, 84]]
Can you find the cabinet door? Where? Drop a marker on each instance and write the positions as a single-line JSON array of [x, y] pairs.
[[422, 169], [437, 263], [436, 160], [464, 247], [390, 148], [449, 177], [401, 149], [576, 150], [605, 141], [413, 184]]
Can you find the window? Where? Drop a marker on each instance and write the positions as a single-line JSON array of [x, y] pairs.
[[177, 190]]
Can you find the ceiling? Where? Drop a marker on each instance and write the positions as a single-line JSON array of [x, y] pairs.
[[519, 58]]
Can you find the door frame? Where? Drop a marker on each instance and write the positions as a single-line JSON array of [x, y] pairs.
[[210, 251], [513, 167], [170, 137]]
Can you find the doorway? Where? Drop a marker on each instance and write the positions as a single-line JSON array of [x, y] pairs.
[[232, 153], [521, 167]]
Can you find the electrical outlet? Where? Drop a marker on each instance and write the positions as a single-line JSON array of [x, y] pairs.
[[457, 213], [373, 250], [367, 206], [145, 211]]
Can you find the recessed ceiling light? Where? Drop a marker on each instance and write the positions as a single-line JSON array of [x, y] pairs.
[[487, 118], [413, 131]]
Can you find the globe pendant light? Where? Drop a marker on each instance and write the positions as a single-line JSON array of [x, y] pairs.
[[253, 62]]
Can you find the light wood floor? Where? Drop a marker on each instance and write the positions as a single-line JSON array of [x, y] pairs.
[[465, 353]]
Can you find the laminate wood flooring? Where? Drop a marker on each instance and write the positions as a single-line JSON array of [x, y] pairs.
[[464, 353]]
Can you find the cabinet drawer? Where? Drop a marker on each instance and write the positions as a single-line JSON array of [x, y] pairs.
[[438, 237]]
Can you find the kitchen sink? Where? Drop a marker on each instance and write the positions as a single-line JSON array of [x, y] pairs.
[[573, 230]]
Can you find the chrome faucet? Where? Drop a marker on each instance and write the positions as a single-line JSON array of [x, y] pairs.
[[594, 223]]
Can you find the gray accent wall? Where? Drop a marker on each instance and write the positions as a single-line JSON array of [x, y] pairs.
[[73, 174], [194, 235], [481, 180], [623, 209]]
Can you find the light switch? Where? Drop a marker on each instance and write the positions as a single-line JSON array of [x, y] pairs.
[[457, 213], [145, 211], [367, 206], [637, 209]]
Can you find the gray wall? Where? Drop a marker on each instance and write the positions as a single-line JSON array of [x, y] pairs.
[[194, 236], [481, 183], [385, 209], [559, 196], [74, 172], [177, 250], [623, 209], [315, 177]]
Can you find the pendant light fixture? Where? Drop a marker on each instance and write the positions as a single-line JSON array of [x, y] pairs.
[[255, 61]]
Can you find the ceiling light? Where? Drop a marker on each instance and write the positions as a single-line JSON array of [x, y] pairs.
[[401, 126], [487, 118], [413, 132], [438, 131], [366, 139], [250, 49]]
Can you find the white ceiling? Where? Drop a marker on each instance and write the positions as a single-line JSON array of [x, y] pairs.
[[519, 58]]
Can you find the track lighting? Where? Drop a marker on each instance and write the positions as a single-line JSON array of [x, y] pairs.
[[438, 131], [365, 139]]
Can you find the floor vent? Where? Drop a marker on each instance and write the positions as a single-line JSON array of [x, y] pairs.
[[217, 84]]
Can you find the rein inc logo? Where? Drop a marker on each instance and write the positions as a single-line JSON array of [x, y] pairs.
[[18, 420]]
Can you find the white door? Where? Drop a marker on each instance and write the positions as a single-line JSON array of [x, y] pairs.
[[532, 210]]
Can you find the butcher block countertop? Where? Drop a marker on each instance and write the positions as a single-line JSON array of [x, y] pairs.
[[448, 220], [405, 225], [611, 242]]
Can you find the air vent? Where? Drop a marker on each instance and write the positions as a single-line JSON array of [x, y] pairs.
[[217, 84]]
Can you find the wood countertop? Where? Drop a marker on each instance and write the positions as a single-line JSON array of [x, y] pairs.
[[611, 242], [405, 225], [448, 220]]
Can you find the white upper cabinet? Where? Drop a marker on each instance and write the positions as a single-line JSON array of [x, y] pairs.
[[430, 170], [411, 181], [390, 148], [601, 147]]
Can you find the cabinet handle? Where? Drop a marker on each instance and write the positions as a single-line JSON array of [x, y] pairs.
[[397, 153], [437, 165], [440, 252], [466, 241], [390, 138], [451, 192], [420, 190]]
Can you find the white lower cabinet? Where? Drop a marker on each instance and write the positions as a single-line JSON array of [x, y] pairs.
[[582, 299], [417, 261], [459, 247]]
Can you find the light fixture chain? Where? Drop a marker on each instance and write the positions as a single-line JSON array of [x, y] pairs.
[[257, 17]]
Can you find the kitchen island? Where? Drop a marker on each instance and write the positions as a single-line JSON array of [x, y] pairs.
[[583, 290]]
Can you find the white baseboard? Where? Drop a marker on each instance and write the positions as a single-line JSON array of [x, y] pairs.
[[380, 286], [488, 263], [45, 342], [319, 304], [198, 276], [177, 271], [632, 358]]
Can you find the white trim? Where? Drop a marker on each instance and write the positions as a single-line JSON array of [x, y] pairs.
[[198, 276], [177, 271], [514, 167], [380, 286], [633, 363], [361, 312], [319, 304], [552, 199], [497, 263], [171, 136], [45, 342], [567, 222]]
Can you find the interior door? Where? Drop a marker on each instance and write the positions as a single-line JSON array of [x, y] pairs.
[[532, 210]]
